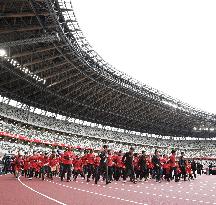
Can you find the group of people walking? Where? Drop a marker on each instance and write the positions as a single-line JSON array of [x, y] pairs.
[[107, 165]]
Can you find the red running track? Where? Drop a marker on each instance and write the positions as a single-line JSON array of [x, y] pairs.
[[37, 192]]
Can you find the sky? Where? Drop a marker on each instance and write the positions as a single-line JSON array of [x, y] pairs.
[[169, 45]]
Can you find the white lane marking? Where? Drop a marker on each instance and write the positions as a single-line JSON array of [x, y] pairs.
[[151, 193], [104, 195], [50, 198]]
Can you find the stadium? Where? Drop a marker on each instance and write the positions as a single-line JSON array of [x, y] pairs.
[[76, 130]]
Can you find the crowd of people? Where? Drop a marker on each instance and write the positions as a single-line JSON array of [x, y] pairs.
[[105, 164], [194, 148], [58, 130]]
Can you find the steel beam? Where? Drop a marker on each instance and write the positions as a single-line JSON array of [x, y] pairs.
[[23, 29], [23, 14], [50, 67]]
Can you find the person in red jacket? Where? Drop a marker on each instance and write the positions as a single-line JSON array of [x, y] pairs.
[[150, 165], [136, 165], [40, 163], [53, 164], [163, 160], [119, 165], [167, 169], [26, 166], [18, 164], [178, 171], [114, 165], [90, 164], [68, 157], [43, 163], [85, 163], [97, 161], [78, 167], [32, 164], [110, 164], [189, 170], [172, 159], [96, 165]]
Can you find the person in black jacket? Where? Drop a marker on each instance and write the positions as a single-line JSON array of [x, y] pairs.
[[103, 168], [199, 168], [210, 168], [143, 166], [157, 165], [194, 167], [182, 165], [127, 159]]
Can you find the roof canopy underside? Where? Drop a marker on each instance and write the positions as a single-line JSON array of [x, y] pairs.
[[50, 65]]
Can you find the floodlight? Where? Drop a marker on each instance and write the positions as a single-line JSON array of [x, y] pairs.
[[2, 53]]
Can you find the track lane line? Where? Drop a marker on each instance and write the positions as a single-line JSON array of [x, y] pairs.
[[95, 193], [50, 198]]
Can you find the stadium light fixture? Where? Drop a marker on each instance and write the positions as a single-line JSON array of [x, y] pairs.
[[170, 104], [23, 69], [3, 53]]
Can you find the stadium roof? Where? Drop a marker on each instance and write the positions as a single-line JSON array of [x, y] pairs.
[[46, 62]]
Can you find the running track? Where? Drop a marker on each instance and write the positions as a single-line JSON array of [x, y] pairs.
[[36, 192]]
